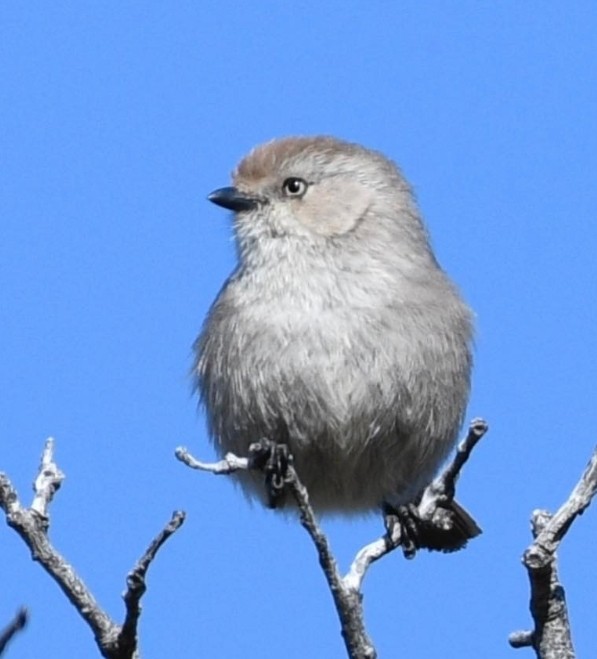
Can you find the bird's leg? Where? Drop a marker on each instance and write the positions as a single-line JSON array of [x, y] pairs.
[[403, 526], [272, 459]]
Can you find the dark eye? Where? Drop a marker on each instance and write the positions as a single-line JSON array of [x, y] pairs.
[[294, 187]]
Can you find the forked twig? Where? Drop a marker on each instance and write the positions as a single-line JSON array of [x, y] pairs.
[[551, 638], [346, 590], [114, 641]]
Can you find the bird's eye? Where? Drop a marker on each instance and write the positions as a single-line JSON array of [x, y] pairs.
[[294, 187]]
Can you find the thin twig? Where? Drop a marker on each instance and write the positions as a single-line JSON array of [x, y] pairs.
[[551, 637], [32, 525], [444, 486], [365, 557], [14, 627], [346, 591], [348, 601], [136, 585], [114, 641], [431, 508], [228, 465], [48, 481]]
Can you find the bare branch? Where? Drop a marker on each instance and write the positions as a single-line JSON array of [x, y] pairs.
[[14, 627], [136, 585], [32, 524], [48, 481], [365, 557], [434, 509], [348, 601], [436, 498], [551, 637], [444, 486], [228, 465]]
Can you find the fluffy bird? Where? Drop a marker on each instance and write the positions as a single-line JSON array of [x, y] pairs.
[[337, 333]]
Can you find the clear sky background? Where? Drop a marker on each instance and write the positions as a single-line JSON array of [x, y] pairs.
[[116, 120]]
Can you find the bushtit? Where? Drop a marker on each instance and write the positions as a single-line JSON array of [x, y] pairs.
[[338, 333]]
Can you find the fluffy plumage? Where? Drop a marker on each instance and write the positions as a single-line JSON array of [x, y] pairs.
[[338, 332]]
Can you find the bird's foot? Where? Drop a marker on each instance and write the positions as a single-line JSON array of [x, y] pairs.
[[272, 459], [448, 528], [403, 527]]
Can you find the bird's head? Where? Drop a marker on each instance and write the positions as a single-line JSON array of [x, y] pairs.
[[315, 191]]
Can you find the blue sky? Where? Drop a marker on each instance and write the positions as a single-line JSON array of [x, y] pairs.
[[116, 120]]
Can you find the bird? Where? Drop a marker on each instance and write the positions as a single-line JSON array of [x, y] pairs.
[[337, 334]]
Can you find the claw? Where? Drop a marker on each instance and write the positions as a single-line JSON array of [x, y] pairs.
[[273, 459], [448, 530]]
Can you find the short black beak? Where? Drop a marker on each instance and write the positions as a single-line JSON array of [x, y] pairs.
[[232, 199]]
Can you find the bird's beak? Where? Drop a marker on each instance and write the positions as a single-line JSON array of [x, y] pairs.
[[232, 199]]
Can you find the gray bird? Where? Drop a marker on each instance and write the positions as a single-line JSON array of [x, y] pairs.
[[338, 333]]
